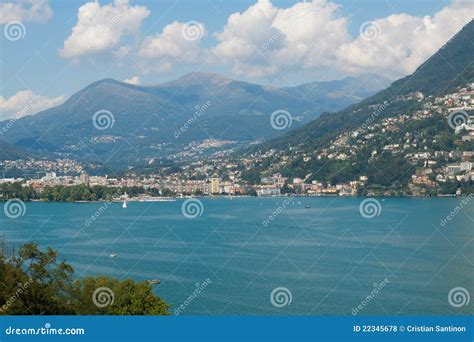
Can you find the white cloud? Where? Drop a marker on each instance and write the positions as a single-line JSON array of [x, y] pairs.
[[265, 40], [404, 41], [177, 43], [25, 102], [25, 11], [134, 80], [101, 28]]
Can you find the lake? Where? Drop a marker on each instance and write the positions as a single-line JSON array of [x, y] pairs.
[[271, 256]]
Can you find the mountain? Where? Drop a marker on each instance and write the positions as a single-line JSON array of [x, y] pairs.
[[356, 88], [400, 140], [450, 67], [155, 121], [10, 152]]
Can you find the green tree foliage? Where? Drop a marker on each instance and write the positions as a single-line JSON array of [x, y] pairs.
[[36, 283]]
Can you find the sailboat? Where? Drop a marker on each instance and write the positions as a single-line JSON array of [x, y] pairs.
[[125, 205]]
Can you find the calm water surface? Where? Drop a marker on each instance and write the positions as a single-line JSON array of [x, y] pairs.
[[328, 256]]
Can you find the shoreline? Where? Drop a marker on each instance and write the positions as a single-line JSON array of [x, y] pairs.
[[169, 199]]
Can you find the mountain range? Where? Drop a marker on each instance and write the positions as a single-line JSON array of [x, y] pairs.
[[450, 67], [156, 121], [400, 140]]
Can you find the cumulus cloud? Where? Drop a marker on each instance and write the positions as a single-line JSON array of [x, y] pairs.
[[101, 28], [177, 43], [25, 11], [25, 102], [134, 80], [402, 41], [265, 40]]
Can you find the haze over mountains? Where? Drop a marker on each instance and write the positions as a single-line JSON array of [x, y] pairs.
[[154, 121]]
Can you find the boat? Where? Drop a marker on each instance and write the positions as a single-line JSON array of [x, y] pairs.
[[307, 206], [125, 205], [154, 281], [113, 255]]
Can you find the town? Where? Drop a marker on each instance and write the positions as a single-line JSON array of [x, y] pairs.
[[219, 174]]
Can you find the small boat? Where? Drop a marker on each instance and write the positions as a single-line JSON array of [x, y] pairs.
[[154, 281], [125, 205], [113, 255], [307, 206]]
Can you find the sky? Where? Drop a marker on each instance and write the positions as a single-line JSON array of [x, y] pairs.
[[51, 49]]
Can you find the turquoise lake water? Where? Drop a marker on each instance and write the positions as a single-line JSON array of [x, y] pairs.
[[322, 251]]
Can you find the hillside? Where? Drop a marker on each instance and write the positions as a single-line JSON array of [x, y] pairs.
[[156, 121], [399, 141], [448, 68], [9, 152]]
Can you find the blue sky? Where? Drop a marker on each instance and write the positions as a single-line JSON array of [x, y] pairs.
[[279, 42]]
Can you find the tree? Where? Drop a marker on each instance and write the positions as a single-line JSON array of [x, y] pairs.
[[35, 283]]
